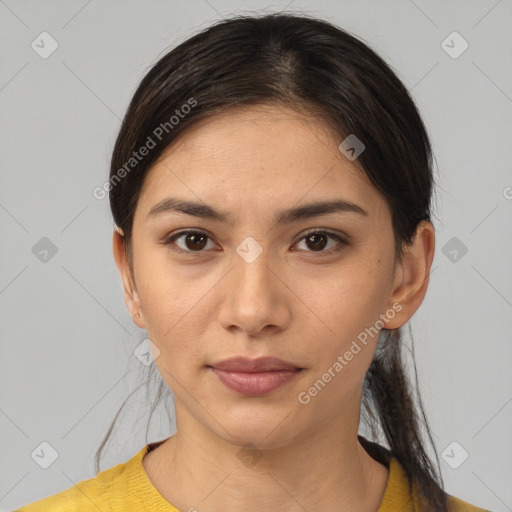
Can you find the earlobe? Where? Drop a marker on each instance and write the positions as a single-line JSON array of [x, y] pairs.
[[412, 274], [131, 296]]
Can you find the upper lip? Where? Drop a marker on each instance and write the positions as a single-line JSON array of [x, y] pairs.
[[260, 364]]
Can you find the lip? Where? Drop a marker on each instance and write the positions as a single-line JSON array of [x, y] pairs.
[[255, 377], [260, 364]]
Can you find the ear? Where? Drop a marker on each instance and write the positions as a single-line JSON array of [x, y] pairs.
[[131, 296], [412, 275]]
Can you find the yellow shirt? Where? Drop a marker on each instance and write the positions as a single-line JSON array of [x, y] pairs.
[[127, 488]]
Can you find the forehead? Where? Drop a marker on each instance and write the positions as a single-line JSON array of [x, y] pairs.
[[258, 156], [264, 132]]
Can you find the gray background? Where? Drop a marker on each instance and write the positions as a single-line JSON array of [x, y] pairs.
[[67, 358]]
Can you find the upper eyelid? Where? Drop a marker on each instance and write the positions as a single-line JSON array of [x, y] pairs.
[[308, 231], [328, 231]]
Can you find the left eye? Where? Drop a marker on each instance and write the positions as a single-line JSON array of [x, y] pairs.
[[318, 240]]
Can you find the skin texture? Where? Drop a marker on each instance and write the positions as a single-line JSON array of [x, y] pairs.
[[295, 302]]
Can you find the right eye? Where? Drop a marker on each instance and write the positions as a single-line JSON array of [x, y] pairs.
[[188, 241]]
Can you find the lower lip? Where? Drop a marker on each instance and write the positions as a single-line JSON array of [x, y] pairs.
[[255, 383]]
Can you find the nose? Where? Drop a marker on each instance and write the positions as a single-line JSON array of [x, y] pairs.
[[256, 299]]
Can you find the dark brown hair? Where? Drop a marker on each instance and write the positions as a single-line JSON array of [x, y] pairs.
[[315, 67]]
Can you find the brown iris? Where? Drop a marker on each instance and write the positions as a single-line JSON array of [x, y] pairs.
[[197, 241], [317, 241]]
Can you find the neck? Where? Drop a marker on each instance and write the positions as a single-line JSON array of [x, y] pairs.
[[326, 470]]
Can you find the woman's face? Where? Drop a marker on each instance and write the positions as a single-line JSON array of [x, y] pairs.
[[259, 282]]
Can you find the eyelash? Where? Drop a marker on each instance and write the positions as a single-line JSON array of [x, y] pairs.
[[342, 242]]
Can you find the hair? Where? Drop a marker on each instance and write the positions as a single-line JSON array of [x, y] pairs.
[[316, 68]]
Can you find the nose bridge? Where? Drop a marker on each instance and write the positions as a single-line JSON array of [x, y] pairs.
[[252, 268], [253, 299]]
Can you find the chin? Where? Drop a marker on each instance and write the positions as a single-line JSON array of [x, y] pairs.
[[264, 431]]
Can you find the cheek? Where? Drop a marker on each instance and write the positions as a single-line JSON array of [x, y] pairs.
[[345, 339], [171, 291], [345, 306], [345, 300], [174, 305]]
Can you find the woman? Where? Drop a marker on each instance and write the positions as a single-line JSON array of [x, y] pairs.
[[271, 187]]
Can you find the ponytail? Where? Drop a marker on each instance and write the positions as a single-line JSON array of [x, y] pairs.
[[387, 402]]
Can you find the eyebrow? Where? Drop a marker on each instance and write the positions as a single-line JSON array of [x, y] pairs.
[[204, 211]]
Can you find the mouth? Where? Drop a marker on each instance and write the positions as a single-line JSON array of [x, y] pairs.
[[255, 377], [260, 364]]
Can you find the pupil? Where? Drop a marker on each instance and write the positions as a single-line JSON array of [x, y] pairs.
[[317, 244], [195, 238]]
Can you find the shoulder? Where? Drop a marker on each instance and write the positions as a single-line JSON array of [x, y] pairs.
[[111, 490], [397, 495], [82, 496], [458, 505]]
